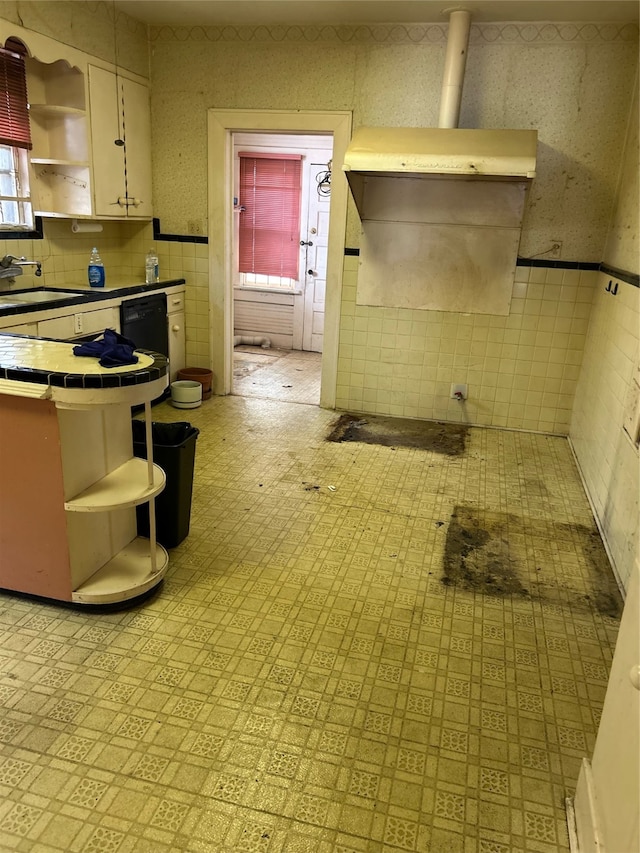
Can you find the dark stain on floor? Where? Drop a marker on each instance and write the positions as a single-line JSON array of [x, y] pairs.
[[448, 439], [504, 554]]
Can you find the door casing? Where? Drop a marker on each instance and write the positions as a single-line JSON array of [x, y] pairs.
[[221, 125]]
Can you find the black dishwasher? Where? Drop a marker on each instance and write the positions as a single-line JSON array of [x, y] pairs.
[[144, 321]]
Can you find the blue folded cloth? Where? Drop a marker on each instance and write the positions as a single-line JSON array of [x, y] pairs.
[[112, 349]]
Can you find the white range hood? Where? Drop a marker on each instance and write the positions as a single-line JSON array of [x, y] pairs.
[[442, 151], [441, 207], [431, 152]]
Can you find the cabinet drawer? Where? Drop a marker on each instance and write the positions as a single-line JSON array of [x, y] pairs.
[[82, 323], [175, 302], [59, 328], [98, 321], [23, 329]]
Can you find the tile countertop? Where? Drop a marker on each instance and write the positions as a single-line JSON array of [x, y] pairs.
[[40, 367], [89, 294], [46, 368]]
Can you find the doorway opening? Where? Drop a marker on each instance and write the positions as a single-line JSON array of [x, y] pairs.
[[223, 125], [282, 198]]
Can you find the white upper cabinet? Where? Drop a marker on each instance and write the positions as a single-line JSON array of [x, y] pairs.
[[120, 145], [59, 159]]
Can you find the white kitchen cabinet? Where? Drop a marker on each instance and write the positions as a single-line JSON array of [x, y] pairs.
[[120, 145], [177, 333], [59, 159]]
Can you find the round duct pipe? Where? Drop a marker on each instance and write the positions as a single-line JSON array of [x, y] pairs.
[[454, 65], [265, 343]]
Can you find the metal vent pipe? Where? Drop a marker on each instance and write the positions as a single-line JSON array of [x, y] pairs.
[[454, 65]]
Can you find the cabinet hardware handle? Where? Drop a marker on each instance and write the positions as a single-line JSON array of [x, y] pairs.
[[175, 328]]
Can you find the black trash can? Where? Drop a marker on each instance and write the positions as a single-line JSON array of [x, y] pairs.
[[174, 449]]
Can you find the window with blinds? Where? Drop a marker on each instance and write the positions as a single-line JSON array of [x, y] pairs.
[[14, 105], [269, 228], [15, 138]]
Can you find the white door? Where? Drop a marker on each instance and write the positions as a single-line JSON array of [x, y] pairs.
[[314, 260]]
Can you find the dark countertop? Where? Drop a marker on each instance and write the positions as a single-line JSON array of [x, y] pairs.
[[89, 294]]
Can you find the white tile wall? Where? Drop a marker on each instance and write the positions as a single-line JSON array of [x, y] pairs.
[[521, 370]]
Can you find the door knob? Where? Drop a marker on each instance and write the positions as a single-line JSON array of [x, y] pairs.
[[311, 272]]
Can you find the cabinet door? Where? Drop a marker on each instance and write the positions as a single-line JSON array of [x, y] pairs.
[[106, 130], [137, 137], [120, 112], [177, 343]]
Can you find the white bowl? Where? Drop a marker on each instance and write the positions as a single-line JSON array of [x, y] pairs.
[[186, 394]]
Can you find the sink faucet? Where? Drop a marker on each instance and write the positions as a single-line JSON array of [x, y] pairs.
[[10, 262]]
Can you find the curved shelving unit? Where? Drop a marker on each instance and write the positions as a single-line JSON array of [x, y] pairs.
[[55, 110], [127, 486], [125, 576], [70, 521], [50, 161]]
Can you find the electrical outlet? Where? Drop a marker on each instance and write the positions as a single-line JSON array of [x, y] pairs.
[[556, 249], [459, 392], [194, 227]]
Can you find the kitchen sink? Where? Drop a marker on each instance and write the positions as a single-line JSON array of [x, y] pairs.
[[34, 297]]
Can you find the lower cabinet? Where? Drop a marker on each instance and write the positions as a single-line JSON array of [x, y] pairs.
[[68, 523]]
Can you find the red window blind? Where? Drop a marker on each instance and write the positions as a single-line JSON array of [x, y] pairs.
[[269, 233], [14, 110]]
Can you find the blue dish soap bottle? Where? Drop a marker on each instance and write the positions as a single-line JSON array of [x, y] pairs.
[[96, 269]]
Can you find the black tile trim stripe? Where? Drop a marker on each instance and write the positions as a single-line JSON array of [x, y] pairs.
[[176, 238], [623, 275], [36, 234], [558, 265], [89, 380]]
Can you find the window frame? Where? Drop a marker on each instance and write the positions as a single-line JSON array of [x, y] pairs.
[[18, 175], [15, 139]]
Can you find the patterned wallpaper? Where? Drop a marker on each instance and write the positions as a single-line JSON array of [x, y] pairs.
[[547, 33], [571, 82]]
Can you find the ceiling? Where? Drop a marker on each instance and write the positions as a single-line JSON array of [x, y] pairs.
[[271, 12]]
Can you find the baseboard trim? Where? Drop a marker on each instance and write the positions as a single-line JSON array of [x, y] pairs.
[[571, 825], [585, 807], [612, 562]]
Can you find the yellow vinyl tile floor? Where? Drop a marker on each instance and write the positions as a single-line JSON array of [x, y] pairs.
[[358, 649]]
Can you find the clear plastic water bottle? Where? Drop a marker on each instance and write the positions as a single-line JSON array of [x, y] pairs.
[[151, 268], [96, 269]]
